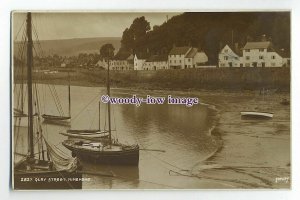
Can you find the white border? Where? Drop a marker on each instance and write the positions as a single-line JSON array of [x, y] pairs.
[[144, 5]]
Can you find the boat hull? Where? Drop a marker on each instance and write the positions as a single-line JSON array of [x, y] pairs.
[[256, 115], [56, 118], [125, 157]]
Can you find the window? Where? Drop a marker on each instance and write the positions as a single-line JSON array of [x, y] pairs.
[[226, 51], [261, 57], [247, 64], [273, 64], [179, 61], [170, 61], [247, 50], [247, 57], [225, 57], [189, 60], [261, 50], [273, 57], [241, 65]]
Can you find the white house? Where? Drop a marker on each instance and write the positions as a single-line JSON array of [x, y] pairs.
[[229, 57], [195, 58], [156, 62], [119, 62], [101, 64], [139, 61], [176, 57], [186, 57], [122, 62], [263, 54]]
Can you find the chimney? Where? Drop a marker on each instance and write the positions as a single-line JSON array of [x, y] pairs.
[[236, 47], [263, 38], [221, 46]]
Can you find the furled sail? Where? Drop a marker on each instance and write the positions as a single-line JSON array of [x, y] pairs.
[[60, 160]]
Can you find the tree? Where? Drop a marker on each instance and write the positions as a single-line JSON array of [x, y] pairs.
[[127, 39], [133, 37], [107, 51]]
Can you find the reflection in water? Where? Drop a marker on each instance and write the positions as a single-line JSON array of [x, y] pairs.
[[179, 130]]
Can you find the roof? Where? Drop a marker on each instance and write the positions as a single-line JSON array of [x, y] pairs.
[[122, 56], [157, 58], [142, 56], [179, 50], [257, 45], [269, 46], [234, 49], [192, 53]]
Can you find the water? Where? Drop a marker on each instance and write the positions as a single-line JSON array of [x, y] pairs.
[[182, 132], [254, 153]]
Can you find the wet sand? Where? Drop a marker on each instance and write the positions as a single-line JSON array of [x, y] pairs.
[[255, 153]]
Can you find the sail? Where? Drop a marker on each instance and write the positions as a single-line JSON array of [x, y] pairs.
[[60, 160]]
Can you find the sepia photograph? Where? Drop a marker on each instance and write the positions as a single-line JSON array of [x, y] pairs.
[[150, 100]]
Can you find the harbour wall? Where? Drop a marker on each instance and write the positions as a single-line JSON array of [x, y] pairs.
[[202, 78]]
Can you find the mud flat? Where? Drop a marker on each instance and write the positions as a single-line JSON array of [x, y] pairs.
[[255, 153]]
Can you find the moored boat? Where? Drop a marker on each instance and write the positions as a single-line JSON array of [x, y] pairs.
[[256, 115], [104, 152], [43, 166], [87, 136], [108, 151]]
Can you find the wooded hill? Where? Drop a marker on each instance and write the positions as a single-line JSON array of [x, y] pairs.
[[208, 31]]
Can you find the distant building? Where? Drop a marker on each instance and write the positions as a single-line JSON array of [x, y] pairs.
[[122, 62], [101, 64], [139, 61], [263, 54], [63, 64], [186, 57], [156, 62], [230, 56], [119, 62]]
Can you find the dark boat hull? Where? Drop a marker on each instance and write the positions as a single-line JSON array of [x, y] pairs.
[[55, 118], [47, 180], [125, 157]]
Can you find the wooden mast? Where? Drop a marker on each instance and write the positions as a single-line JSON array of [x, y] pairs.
[[29, 86], [108, 106], [99, 117], [69, 89]]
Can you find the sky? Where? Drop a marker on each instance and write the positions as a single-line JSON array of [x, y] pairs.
[[67, 25]]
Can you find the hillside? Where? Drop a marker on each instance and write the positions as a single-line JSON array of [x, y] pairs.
[[209, 31], [72, 47]]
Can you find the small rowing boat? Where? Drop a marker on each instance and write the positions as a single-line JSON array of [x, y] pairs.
[[256, 115]]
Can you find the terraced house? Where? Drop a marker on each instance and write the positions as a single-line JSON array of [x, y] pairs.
[[263, 54], [186, 57], [254, 54], [156, 62]]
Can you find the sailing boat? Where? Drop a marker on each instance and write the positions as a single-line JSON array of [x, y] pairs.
[[57, 118], [50, 171], [91, 134], [106, 151]]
